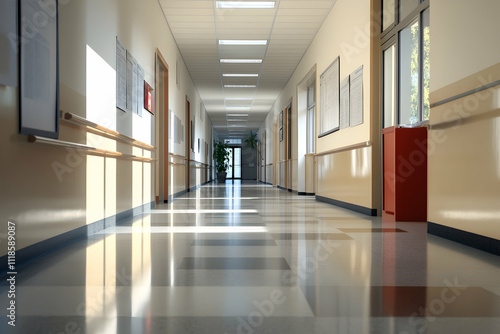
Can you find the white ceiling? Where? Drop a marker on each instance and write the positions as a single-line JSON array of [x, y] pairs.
[[197, 25]]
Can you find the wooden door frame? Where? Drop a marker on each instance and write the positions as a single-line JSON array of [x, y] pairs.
[[162, 154], [188, 144], [288, 145]]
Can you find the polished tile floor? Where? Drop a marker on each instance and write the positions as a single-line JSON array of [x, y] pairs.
[[249, 258]]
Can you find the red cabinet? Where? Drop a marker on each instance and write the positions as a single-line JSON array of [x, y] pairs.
[[405, 173]]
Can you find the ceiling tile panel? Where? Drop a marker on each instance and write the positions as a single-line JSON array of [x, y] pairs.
[[196, 26]]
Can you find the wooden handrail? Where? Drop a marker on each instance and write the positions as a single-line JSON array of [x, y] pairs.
[[82, 122], [177, 155], [345, 148], [88, 149]]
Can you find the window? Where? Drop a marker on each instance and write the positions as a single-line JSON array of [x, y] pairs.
[[311, 118], [389, 86], [388, 14], [406, 64], [409, 70]]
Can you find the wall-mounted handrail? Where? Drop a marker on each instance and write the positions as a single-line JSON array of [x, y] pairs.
[[86, 148], [177, 156], [345, 148], [82, 122]]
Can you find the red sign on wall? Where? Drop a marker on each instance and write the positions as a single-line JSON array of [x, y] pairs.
[[148, 98]]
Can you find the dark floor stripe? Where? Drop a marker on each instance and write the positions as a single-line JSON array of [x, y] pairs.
[[311, 236], [234, 242], [372, 230], [234, 263]]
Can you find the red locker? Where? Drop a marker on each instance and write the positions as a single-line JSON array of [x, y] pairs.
[[405, 173]]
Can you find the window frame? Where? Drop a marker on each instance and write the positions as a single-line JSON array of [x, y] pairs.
[[391, 36]]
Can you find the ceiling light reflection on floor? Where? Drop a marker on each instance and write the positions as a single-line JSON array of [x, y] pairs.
[[187, 229], [200, 211]]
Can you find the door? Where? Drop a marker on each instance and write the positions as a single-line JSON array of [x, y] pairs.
[[161, 130], [234, 169], [189, 144]]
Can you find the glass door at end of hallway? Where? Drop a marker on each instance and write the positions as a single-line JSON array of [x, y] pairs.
[[234, 169]]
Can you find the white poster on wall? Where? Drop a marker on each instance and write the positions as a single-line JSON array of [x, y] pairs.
[[330, 99], [344, 103], [121, 76], [356, 97], [130, 71]]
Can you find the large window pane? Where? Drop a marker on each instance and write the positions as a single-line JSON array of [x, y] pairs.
[[229, 170], [389, 86], [409, 75], [310, 129], [426, 66], [406, 7], [237, 163], [311, 118], [388, 14]]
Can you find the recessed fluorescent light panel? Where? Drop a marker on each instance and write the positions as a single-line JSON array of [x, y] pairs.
[[246, 4], [240, 75], [241, 61], [242, 42], [240, 86], [237, 115]]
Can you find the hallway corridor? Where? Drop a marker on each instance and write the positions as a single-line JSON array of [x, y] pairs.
[[249, 258]]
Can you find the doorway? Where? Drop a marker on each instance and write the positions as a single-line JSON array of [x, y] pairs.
[[161, 130], [233, 171]]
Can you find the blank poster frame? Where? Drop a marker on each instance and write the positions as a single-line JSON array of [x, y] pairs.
[[27, 52], [334, 124]]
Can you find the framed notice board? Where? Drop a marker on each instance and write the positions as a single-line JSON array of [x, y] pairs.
[[330, 99], [38, 69]]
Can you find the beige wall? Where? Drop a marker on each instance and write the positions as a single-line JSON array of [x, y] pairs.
[[464, 149], [344, 33], [463, 39], [92, 188]]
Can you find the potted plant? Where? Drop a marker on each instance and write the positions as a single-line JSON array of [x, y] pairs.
[[251, 141], [221, 159]]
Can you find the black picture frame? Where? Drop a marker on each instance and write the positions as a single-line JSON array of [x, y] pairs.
[[38, 70]]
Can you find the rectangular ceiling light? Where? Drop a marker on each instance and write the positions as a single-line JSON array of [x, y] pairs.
[[237, 115], [241, 75], [241, 61], [243, 42], [246, 4], [240, 86], [239, 98]]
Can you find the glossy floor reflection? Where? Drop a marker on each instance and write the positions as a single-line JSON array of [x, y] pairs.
[[249, 258]]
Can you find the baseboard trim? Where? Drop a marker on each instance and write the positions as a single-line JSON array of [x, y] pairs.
[[301, 193], [174, 196], [349, 206], [477, 241], [40, 249]]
